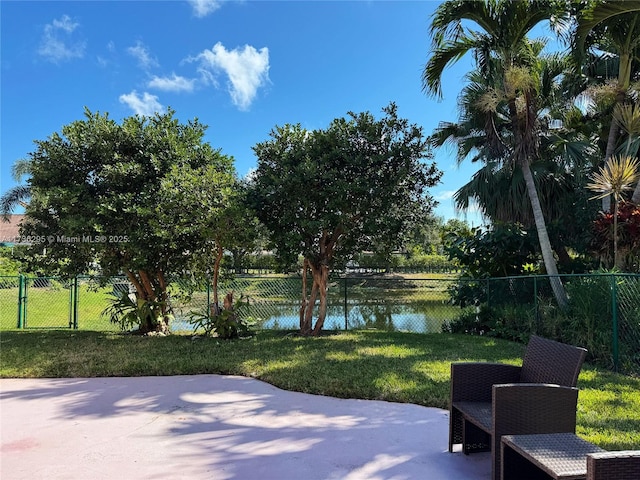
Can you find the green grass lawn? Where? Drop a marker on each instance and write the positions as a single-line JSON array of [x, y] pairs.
[[398, 367], [49, 307]]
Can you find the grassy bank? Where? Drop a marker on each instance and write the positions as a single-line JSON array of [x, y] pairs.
[[399, 367]]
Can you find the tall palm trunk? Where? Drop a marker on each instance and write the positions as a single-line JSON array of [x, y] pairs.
[[543, 237], [636, 194], [611, 147]]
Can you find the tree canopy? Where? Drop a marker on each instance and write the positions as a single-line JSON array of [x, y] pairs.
[[360, 184], [100, 202]]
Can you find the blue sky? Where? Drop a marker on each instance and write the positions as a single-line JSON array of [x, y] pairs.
[[240, 67]]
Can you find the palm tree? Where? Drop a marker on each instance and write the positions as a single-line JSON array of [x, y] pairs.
[[502, 51], [18, 195], [612, 26], [564, 158]]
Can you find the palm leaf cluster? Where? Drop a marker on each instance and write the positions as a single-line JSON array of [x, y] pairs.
[[539, 122]]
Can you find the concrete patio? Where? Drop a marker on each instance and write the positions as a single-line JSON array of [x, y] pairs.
[[217, 427]]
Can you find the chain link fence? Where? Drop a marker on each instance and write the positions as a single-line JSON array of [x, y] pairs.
[[273, 302], [603, 314]]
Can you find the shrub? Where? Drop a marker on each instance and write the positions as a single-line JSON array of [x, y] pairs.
[[588, 322], [472, 321], [225, 323]]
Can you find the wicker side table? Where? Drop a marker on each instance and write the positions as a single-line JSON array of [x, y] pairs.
[[559, 456]]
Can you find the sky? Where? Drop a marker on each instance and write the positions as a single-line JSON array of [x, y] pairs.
[[240, 67]]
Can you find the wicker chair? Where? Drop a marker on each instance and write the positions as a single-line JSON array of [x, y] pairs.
[[623, 465], [489, 400]]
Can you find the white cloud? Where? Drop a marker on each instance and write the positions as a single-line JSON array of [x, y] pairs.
[[56, 45], [141, 53], [146, 105], [246, 68], [174, 83], [202, 8], [65, 24], [444, 195]]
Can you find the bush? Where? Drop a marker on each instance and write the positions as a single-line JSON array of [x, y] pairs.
[[428, 263], [225, 323], [472, 321], [588, 322]]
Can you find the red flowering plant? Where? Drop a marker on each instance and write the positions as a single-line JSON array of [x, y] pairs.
[[628, 236]]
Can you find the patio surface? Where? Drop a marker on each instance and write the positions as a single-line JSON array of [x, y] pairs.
[[217, 427]]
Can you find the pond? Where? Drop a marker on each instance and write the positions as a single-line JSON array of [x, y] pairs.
[[418, 317]]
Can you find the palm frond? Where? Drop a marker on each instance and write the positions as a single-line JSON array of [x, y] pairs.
[[599, 13], [12, 198], [21, 168], [618, 175], [440, 59], [628, 117], [447, 20]]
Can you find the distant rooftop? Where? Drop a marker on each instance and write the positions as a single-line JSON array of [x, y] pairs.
[[10, 231]]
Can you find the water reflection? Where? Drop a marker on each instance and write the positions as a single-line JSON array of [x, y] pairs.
[[417, 318]]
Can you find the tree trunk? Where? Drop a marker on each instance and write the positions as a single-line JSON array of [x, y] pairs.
[[308, 314], [611, 148], [320, 276], [543, 238], [147, 292], [616, 263], [636, 194], [305, 327], [215, 306], [322, 280], [564, 258]]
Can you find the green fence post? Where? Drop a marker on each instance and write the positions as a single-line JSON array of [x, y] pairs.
[[346, 314], [21, 306], [614, 318], [75, 303], [535, 303], [71, 294]]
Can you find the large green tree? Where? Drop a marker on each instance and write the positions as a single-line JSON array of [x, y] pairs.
[[96, 202], [496, 32], [360, 184]]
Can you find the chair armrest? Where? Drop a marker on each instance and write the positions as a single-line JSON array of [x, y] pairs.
[[472, 382], [528, 408], [621, 465]]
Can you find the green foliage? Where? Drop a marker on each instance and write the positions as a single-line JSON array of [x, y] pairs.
[[359, 185], [226, 323], [505, 250], [628, 236], [589, 317], [427, 263], [513, 311], [97, 195], [9, 265], [471, 321], [258, 261], [362, 182], [511, 322], [130, 313]]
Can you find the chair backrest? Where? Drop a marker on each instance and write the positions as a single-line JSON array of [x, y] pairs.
[[547, 361]]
